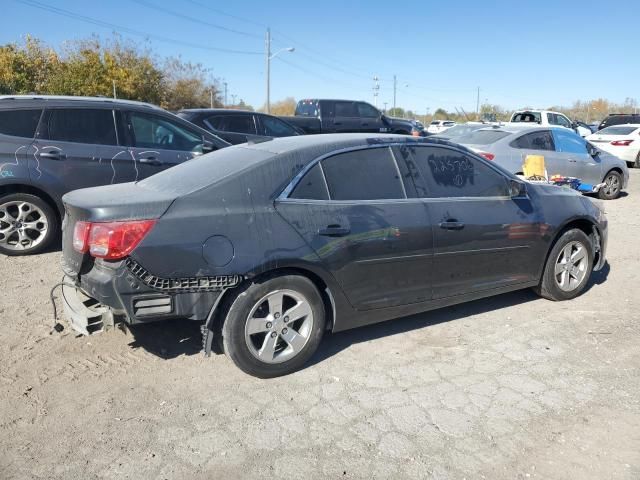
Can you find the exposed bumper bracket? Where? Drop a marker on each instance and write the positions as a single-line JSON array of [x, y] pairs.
[[85, 314]]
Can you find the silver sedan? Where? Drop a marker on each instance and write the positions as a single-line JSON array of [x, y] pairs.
[[565, 153]]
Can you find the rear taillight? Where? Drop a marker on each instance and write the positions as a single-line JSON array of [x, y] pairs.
[[488, 156], [81, 236], [621, 143], [110, 240]]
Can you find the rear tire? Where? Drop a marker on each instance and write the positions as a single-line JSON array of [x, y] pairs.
[[568, 267], [613, 186], [274, 326], [637, 162], [28, 224]]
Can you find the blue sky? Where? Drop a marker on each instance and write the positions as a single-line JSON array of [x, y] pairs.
[[520, 53]]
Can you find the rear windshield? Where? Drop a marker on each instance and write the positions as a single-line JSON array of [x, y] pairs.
[[533, 117], [617, 130], [482, 137], [435, 122], [307, 108], [205, 170], [460, 130]]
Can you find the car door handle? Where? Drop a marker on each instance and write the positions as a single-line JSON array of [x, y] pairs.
[[151, 161], [452, 225], [334, 231], [55, 155], [337, 123], [571, 160]]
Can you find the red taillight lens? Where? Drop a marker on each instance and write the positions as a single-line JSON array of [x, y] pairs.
[[81, 236], [488, 156], [110, 240], [621, 143]]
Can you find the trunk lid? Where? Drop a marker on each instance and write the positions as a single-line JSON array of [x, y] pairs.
[[125, 201]]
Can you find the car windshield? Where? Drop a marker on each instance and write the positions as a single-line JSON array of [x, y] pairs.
[[435, 122], [482, 137], [617, 130], [533, 117]]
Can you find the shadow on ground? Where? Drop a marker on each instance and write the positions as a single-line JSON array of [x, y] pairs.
[[173, 338]]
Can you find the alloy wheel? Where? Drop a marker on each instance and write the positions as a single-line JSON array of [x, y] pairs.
[[571, 266], [279, 326], [23, 225], [611, 185]]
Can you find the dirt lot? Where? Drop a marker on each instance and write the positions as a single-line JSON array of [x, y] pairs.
[[512, 387]]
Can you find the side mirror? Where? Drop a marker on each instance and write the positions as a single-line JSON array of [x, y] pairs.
[[517, 189], [593, 151], [207, 146], [574, 125]]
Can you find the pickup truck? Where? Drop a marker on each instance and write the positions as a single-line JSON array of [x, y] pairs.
[[342, 116]]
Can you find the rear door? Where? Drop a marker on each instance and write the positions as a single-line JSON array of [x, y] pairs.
[[483, 238], [353, 210], [79, 148], [17, 130], [573, 153], [159, 141]]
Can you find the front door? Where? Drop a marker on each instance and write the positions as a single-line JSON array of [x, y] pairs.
[[79, 148], [346, 117], [159, 142], [370, 118], [483, 238], [374, 240]]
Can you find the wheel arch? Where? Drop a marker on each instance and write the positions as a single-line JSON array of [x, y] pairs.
[[8, 189]]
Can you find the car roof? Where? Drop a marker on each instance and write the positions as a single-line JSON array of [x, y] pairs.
[[635, 125], [26, 99], [219, 111]]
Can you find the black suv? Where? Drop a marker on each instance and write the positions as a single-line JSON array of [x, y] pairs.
[[239, 126], [50, 145], [619, 119]]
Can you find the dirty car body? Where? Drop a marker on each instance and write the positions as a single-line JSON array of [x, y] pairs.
[[288, 206]]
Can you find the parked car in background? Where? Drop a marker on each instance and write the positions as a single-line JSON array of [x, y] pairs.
[[50, 145], [460, 129], [548, 118], [619, 119], [585, 128], [239, 126], [623, 141], [439, 126], [565, 153], [347, 116], [362, 229]]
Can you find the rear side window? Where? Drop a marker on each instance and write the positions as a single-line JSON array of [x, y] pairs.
[[533, 117], [312, 186], [307, 108], [446, 173], [232, 123], [482, 137], [617, 130], [534, 141], [19, 123], [346, 109], [77, 125], [370, 174]]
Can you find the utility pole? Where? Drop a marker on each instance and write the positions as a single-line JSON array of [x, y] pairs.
[[395, 86], [376, 89], [211, 96], [233, 99], [478, 104], [268, 50], [114, 88], [385, 107], [225, 93]]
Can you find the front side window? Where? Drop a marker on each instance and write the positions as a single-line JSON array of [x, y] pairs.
[[19, 123], [79, 125], [370, 174], [345, 109], [155, 131], [448, 173], [312, 186], [274, 127], [367, 111], [534, 141], [569, 142], [563, 121]]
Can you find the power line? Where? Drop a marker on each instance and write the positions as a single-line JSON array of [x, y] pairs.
[[196, 20], [316, 75], [119, 28]]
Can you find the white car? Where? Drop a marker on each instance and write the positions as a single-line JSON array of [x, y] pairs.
[[438, 126], [547, 118], [623, 141]]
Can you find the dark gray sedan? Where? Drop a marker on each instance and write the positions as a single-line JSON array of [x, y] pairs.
[[270, 245]]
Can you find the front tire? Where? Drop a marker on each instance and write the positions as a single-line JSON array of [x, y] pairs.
[[274, 326], [612, 187], [28, 224], [637, 162], [568, 267]]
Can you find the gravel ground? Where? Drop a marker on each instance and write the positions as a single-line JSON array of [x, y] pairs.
[[511, 387]]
